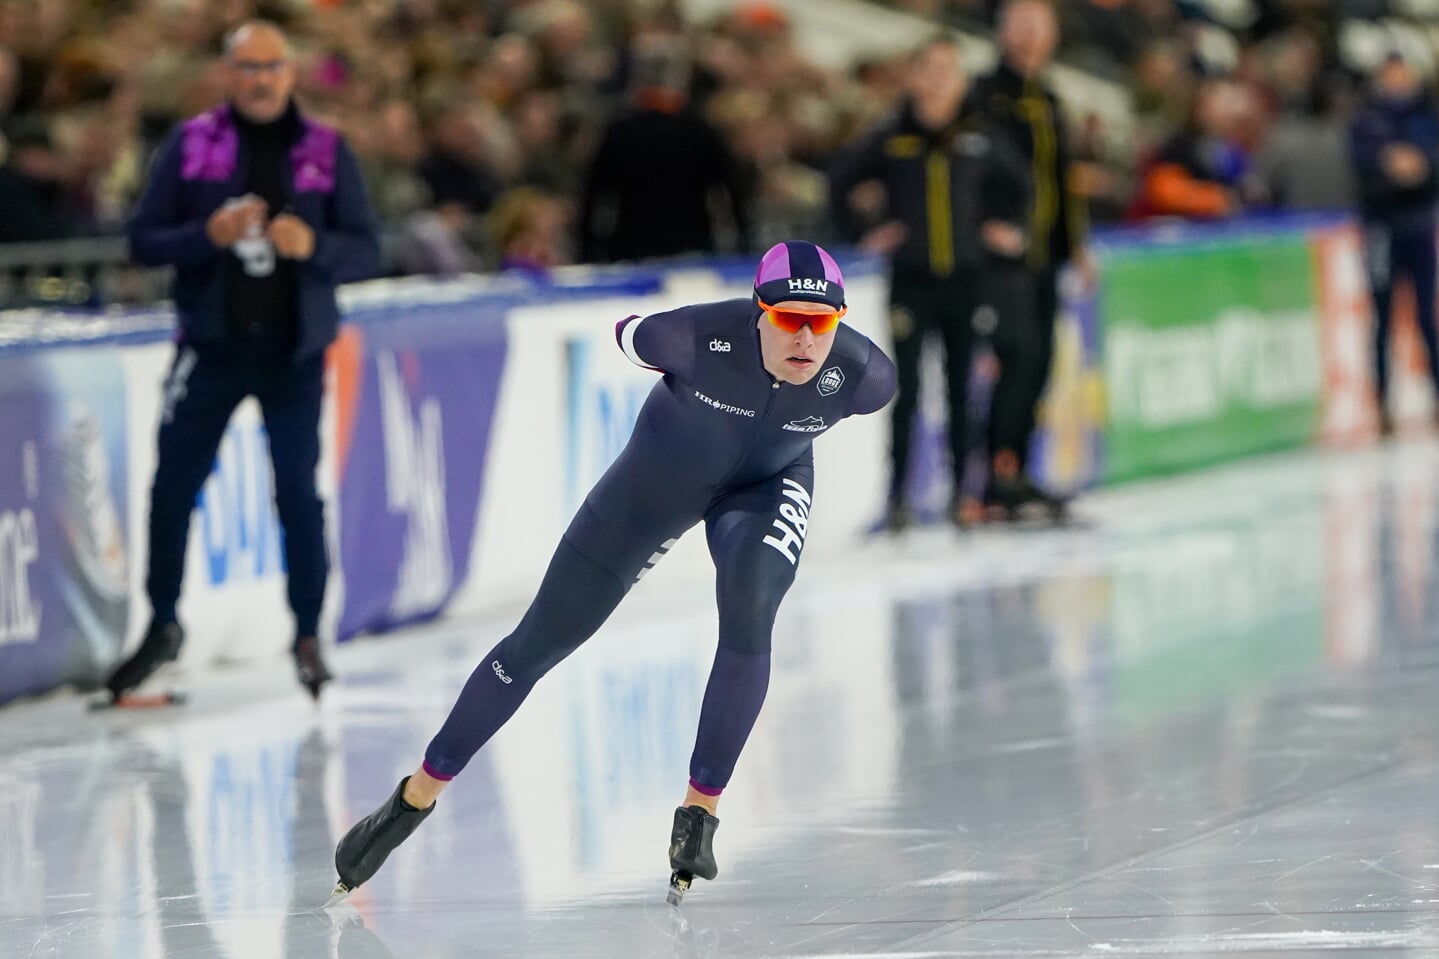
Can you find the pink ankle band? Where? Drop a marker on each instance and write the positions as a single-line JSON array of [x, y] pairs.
[[705, 790], [430, 771]]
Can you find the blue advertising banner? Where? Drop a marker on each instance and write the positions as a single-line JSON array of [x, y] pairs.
[[409, 504], [64, 565]]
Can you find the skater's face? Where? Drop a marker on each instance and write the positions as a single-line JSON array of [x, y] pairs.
[[261, 75], [794, 357]]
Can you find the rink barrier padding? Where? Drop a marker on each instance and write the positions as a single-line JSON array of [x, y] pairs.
[[466, 419]]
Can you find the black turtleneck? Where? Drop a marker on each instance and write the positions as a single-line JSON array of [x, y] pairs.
[[261, 310]]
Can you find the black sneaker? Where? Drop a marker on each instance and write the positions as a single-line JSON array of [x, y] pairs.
[[371, 840], [161, 645], [310, 666]]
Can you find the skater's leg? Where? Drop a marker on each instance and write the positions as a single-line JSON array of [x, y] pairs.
[[906, 314], [575, 598], [957, 331], [1379, 260], [199, 398], [1418, 258], [755, 537], [1020, 350], [603, 553], [630, 520], [291, 406]]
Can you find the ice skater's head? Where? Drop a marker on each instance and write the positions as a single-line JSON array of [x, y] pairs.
[[800, 294]]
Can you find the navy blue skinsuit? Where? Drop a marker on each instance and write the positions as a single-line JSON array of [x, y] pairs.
[[718, 440]]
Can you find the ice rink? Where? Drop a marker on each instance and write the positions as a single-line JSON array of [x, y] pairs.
[[1205, 723]]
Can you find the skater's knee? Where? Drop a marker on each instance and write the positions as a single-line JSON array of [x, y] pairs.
[[747, 628], [527, 657], [749, 600]]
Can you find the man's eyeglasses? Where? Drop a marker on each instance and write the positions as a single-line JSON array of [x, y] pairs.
[[255, 68]]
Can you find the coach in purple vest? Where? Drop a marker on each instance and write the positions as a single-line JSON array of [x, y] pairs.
[[262, 212]]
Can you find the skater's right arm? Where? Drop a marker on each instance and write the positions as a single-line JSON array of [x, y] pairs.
[[663, 342], [159, 234]]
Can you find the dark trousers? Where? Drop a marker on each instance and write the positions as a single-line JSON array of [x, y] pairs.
[[1392, 255], [921, 306], [201, 394], [1025, 305]]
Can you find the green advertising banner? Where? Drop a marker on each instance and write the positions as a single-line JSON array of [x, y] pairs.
[[1210, 352]]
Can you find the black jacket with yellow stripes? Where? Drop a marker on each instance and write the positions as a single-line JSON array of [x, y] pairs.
[[1028, 116], [940, 184]]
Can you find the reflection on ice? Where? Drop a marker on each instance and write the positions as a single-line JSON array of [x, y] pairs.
[[1204, 724]]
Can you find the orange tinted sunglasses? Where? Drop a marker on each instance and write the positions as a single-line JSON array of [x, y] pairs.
[[791, 320]]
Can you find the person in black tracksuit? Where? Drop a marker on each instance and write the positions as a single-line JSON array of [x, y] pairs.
[[650, 189], [954, 203], [725, 438], [1394, 144], [1019, 106], [262, 212]]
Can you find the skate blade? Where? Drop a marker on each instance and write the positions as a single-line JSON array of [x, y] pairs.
[[340, 893], [140, 701], [679, 885]]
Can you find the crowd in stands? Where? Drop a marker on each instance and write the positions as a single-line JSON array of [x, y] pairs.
[[493, 134]]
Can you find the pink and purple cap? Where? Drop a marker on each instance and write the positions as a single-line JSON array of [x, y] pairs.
[[799, 270]]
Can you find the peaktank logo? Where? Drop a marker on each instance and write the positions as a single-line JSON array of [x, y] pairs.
[[830, 381], [810, 424]]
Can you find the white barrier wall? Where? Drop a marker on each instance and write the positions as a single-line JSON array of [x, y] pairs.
[[464, 423]]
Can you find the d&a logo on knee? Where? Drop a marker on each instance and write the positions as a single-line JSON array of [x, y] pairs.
[[793, 522]]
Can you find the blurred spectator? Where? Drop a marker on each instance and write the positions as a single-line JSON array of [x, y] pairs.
[[649, 190], [262, 212], [458, 164], [1395, 145], [1304, 162], [391, 159], [530, 230], [9, 83], [540, 137], [434, 242], [1202, 172], [32, 191], [1100, 177], [1019, 104], [509, 69], [1163, 90], [519, 92], [953, 210]]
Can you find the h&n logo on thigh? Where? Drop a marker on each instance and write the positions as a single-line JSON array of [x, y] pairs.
[[793, 522]]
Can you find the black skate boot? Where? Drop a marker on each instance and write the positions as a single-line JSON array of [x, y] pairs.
[[1037, 505], [310, 665], [371, 840], [691, 850], [1016, 499], [161, 645]]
